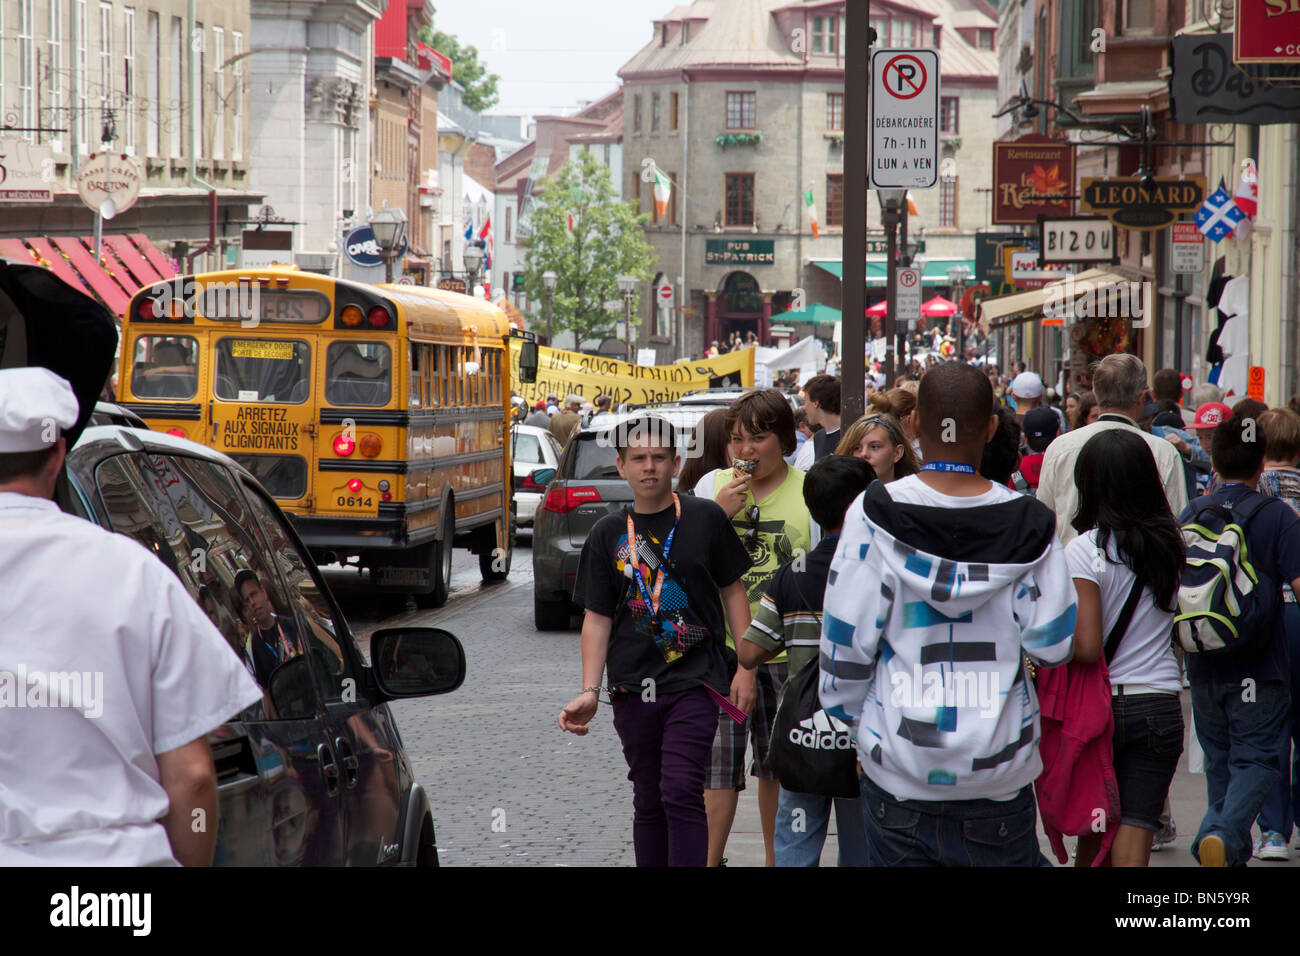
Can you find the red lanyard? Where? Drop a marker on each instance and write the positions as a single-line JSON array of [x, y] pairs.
[[634, 557]]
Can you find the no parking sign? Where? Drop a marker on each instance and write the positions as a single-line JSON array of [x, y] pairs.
[[904, 119]]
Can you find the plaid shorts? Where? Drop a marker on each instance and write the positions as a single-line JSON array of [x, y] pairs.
[[727, 758]]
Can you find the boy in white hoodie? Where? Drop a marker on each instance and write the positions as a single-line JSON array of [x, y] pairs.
[[942, 582]]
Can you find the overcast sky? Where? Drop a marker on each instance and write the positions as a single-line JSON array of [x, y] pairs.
[[551, 53]]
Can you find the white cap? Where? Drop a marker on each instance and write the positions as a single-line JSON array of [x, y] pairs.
[[1027, 385], [34, 405]]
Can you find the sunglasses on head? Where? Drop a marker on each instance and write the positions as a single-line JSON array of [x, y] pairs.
[[750, 537]]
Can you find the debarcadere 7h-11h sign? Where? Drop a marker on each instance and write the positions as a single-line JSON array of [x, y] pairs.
[[904, 119]]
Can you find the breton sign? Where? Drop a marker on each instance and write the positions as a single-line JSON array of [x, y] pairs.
[[1078, 239], [904, 119], [1186, 249], [109, 183], [908, 297]]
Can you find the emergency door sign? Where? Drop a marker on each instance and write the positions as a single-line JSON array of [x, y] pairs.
[[904, 119]]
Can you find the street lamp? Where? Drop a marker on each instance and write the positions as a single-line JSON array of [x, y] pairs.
[[957, 278], [473, 259], [891, 205], [627, 286], [389, 228], [549, 279]]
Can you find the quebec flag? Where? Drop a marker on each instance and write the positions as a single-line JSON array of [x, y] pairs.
[[1218, 215]]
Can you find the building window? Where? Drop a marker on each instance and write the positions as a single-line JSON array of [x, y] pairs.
[[237, 74], [219, 97], [881, 26], [636, 113], [126, 122], [82, 65], [835, 111], [509, 231], [607, 155], [948, 203], [153, 65], [672, 111], [105, 56], [825, 34], [741, 109], [904, 32], [948, 110], [740, 199], [26, 65], [835, 200], [57, 69], [1139, 17], [197, 65], [654, 112]]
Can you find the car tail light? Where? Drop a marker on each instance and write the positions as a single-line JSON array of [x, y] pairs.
[[565, 499], [378, 316], [529, 485], [343, 445], [178, 432], [351, 316], [371, 445], [354, 485]]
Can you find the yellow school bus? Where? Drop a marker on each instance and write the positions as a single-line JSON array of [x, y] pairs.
[[375, 414]]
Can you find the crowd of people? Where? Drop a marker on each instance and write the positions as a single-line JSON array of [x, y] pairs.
[[996, 593]]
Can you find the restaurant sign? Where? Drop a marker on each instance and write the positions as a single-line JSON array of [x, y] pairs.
[[1028, 173], [739, 252], [1130, 205]]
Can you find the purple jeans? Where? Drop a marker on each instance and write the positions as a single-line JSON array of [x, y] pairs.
[[666, 744]]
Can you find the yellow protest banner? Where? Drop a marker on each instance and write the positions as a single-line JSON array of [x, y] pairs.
[[565, 372]]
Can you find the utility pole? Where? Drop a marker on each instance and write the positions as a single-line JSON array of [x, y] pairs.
[[853, 296]]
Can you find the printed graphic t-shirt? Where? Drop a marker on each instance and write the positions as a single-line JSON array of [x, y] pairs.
[[706, 556]]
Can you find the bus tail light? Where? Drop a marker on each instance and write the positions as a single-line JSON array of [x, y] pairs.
[[351, 316], [354, 485], [384, 493], [371, 445], [379, 316], [343, 445], [563, 500]]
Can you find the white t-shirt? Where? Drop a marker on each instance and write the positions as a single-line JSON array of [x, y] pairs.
[[913, 491], [804, 458], [1145, 654], [138, 670]]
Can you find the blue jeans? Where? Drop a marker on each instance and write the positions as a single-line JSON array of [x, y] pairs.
[[1240, 739], [1283, 801], [950, 833], [800, 836]]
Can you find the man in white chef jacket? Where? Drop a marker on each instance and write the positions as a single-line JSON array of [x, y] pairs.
[[111, 676]]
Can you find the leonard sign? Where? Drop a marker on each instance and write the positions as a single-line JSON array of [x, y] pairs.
[[904, 119], [1131, 205]]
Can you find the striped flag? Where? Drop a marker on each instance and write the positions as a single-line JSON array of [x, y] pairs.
[[663, 190], [911, 207], [1246, 199], [811, 205]]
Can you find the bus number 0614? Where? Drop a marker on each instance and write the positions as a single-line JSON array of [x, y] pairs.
[[358, 502]]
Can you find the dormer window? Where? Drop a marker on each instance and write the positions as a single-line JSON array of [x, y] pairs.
[[825, 35]]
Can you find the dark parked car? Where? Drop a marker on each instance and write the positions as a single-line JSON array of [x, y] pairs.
[[107, 413], [584, 488], [315, 773]]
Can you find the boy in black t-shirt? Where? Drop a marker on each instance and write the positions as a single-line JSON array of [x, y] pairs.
[[654, 581]]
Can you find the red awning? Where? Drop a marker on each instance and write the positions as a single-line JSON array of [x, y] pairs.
[[128, 264]]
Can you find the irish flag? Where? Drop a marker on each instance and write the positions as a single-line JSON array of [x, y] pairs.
[[811, 205], [663, 189]]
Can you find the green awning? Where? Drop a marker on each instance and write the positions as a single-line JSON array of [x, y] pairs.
[[816, 314], [935, 270]]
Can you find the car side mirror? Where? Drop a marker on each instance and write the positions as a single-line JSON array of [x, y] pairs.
[[541, 476], [416, 661], [528, 362]]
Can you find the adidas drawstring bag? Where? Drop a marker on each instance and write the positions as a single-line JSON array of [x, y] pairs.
[[811, 752]]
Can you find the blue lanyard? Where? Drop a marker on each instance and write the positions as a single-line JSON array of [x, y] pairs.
[[634, 557], [959, 467]]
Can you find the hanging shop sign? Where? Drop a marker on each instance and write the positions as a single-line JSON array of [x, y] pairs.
[[990, 262], [1078, 239], [1205, 86], [739, 252], [1266, 31], [452, 284], [1027, 174], [1130, 205]]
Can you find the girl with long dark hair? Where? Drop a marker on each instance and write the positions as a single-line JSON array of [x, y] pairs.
[[1129, 541]]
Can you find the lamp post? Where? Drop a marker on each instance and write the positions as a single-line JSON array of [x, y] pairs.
[[473, 258], [957, 277], [627, 286], [389, 228], [891, 202], [549, 279]]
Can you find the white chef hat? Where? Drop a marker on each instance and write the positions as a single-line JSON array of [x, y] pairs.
[[35, 404]]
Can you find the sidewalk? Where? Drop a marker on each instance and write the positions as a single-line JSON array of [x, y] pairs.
[[1187, 800]]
